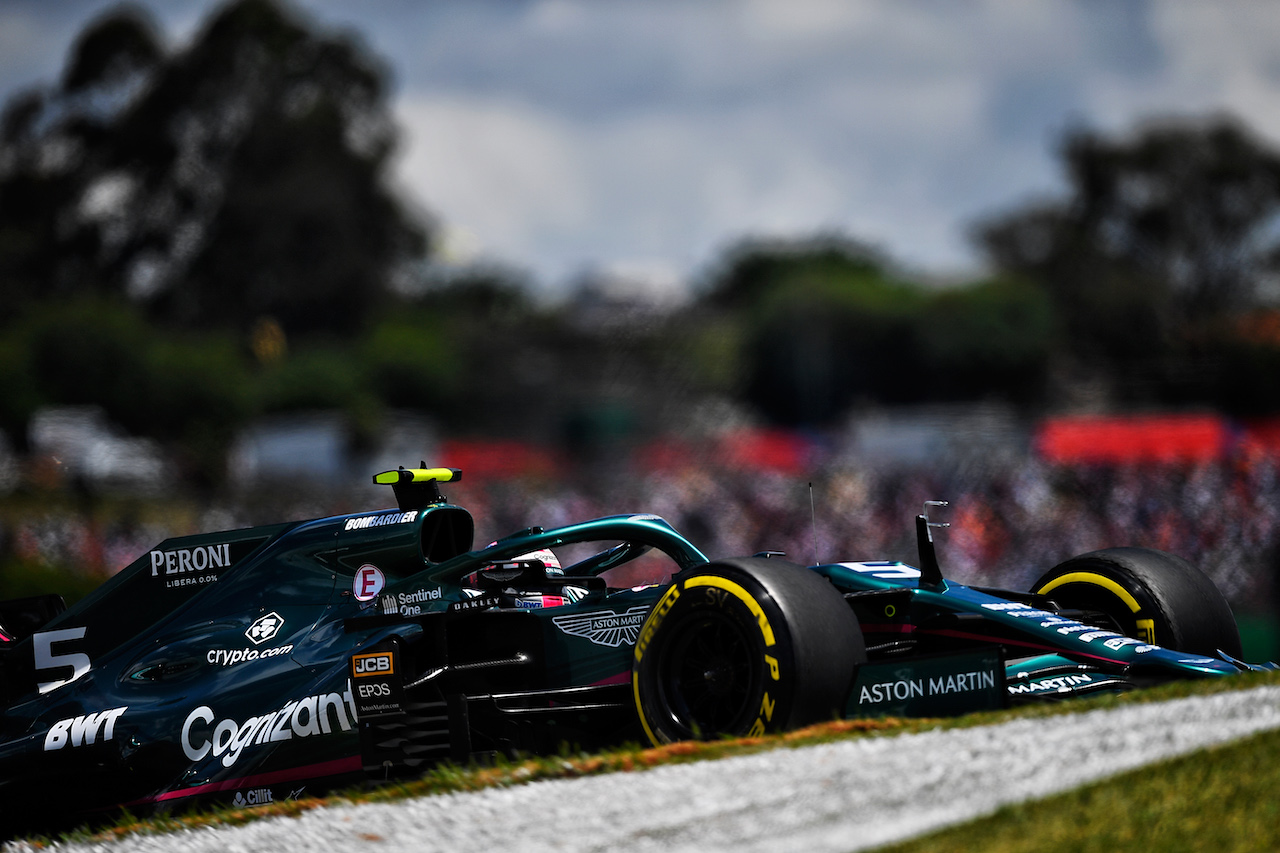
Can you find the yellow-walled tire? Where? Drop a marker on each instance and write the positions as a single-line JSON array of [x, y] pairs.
[[744, 647], [1152, 596]]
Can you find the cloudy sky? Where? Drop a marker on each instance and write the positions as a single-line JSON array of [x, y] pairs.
[[562, 136]]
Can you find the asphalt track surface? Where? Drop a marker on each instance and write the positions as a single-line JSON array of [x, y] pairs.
[[835, 797]]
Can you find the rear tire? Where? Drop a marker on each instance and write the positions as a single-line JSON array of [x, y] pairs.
[[1153, 596], [744, 647]]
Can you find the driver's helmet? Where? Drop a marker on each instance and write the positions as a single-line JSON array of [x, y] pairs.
[[548, 558], [545, 556], [532, 598]]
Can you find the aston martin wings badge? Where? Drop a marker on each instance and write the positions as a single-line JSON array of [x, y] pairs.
[[605, 627]]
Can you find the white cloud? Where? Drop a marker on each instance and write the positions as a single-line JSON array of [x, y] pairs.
[[574, 134], [500, 171], [589, 135], [724, 119], [1221, 56], [30, 49], [679, 177]]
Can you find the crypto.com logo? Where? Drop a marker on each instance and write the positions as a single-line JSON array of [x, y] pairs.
[[264, 628]]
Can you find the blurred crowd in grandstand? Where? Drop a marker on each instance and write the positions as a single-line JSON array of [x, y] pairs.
[[1011, 517], [1008, 523]]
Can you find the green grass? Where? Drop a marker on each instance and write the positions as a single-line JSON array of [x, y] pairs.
[[1221, 799], [1259, 635], [450, 778]]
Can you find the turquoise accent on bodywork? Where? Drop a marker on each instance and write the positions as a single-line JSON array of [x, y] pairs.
[[1028, 667], [646, 529], [396, 549], [1043, 632], [571, 659]]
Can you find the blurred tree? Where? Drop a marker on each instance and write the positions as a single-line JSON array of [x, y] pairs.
[[821, 318], [992, 338], [818, 325], [753, 269], [236, 179], [191, 391], [1165, 235], [486, 358]]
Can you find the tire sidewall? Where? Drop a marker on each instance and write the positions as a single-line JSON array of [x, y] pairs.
[[1177, 605], [1099, 585], [725, 597]]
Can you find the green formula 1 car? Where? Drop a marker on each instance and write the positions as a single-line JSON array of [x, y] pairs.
[[251, 666]]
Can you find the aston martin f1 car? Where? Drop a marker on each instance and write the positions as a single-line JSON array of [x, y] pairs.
[[250, 666]]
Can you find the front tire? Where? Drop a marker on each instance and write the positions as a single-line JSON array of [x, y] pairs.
[[744, 647], [1152, 596]]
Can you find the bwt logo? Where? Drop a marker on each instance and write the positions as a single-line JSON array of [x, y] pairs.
[[265, 627], [372, 664], [79, 731]]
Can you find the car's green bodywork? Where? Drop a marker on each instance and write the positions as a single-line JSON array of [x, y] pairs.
[[220, 666]]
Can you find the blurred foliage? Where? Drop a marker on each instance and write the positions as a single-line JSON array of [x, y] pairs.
[[828, 330], [19, 579], [410, 360], [310, 378], [708, 356], [475, 353], [823, 324], [195, 236], [240, 175], [1167, 238], [1248, 368], [995, 336], [192, 391], [90, 351]]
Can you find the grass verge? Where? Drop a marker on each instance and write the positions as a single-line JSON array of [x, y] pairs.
[[1223, 798], [448, 778]]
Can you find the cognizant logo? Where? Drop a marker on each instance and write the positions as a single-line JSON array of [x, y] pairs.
[[321, 714]]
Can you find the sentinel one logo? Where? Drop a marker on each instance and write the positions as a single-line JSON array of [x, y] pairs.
[[265, 627], [604, 627], [409, 603]]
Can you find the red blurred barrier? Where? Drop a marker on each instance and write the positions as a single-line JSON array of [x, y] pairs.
[[1137, 438], [776, 451], [1263, 435], [665, 455], [770, 450], [498, 459]]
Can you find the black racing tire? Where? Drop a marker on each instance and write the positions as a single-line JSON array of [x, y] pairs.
[[1153, 596], [744, 647]]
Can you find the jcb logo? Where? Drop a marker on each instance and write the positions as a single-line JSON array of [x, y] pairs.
[[374, 664]]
